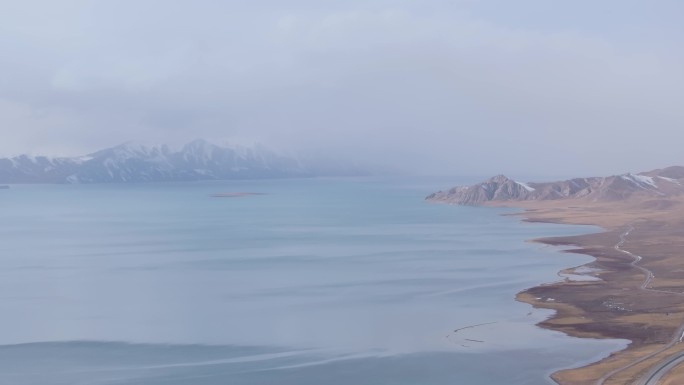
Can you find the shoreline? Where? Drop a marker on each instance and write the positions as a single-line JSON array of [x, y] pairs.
[[623, 303], [564, 311]]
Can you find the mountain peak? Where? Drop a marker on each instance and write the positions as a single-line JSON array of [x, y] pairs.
[[499, 179], [657, 183], [199, 144], [137, 162]]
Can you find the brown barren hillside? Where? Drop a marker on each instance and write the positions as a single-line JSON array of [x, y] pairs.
[[654, 184], [639, 263]]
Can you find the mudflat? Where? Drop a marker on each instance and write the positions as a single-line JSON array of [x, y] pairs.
[[638, 293]]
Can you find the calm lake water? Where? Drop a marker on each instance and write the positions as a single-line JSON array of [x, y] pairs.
[[320, 281]]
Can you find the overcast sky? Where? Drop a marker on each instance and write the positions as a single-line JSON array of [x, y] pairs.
[[443, 87]]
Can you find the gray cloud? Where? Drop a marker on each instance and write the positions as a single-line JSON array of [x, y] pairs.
[[457, 87]]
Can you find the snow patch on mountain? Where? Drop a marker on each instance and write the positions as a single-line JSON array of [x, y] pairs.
[[135, 162], [525, 186], [642, 181], [671, 180], [611, 188]]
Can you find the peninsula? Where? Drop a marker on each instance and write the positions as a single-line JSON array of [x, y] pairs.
[[638, 293]]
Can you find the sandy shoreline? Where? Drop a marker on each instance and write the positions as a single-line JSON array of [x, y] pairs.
[[616, 305]]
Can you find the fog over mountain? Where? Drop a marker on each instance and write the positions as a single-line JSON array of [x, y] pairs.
[[197, 160], [435, 87]]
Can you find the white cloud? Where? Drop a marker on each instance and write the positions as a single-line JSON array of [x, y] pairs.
[[452, 87]]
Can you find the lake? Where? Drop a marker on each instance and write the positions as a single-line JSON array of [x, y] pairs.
[[310, 281]]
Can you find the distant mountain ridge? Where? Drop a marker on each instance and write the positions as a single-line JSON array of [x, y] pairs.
[[197, 160], [657, 183]]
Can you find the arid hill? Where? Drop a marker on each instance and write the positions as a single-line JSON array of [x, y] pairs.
[[657, 184]]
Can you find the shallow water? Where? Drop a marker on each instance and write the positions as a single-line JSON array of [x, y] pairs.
[[336, 281]]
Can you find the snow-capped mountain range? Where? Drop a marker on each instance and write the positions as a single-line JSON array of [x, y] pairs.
[[132, 162], [657, 183]]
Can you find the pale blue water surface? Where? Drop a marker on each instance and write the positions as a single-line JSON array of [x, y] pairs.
[[319, 281]]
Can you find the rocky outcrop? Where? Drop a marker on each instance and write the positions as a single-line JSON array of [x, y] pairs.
[[657, 184]]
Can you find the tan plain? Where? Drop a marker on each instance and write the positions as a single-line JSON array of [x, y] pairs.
[[648, 319]]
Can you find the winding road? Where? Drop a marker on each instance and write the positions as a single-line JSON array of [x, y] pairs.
[[664, 366], [660, 369]]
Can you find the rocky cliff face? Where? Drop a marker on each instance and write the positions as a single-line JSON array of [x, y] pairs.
[[130, 162], [657, 183]]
